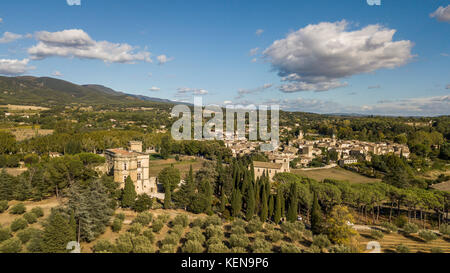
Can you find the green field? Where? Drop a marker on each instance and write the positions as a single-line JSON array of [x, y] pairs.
[[335, 173]]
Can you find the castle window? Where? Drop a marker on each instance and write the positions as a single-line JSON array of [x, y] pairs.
[[139, 176], [125, 166], [139, 164], [125, 178]]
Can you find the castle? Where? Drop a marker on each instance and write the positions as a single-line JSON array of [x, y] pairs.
[[134, 163]]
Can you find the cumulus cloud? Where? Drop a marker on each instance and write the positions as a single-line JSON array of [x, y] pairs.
[[243, 92], [259, 32], [57, 74], [254, 60], [185, 90], [9, 37], [318, 57], [14, 67], [162, 59], [442, 14], [74, 2], [75, 43], [154, 89]]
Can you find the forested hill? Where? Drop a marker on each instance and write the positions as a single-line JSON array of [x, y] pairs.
[[50, 92]]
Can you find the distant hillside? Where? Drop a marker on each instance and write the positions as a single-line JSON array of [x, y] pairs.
[[49, 92]]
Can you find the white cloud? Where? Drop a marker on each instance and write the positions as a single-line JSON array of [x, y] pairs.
[[185, 90], [374, 87], [253, 51], [227, 102], [77, 43], [243, 92], [14, 67], [259, 32], [162, 59], [442, 14], [57, 74], [9, 37], [254, 60], [1, 20], [154, 89], [318, 57], [74, 2]]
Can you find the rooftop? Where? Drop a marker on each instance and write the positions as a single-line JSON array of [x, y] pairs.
[[267, 165]]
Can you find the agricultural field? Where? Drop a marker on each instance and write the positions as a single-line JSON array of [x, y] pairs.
[[156, 166], [336, 173]]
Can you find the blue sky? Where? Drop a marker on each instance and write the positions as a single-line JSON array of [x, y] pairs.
[[332, 56]]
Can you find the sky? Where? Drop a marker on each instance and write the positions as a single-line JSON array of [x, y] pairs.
[[318, 56]]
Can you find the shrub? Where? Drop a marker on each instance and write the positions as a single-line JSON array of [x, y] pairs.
[[389, 227], [427, 235], [287, 227], [402, 249], [218, 248], [103, 246], [275, 236], [38, 212], [340, 249], [149, 234], [214, 240], [157, 226], [212, 220], [308, 234], [165, 218], [238, 250], [445, 229], [18, 209], [376, 234], [26, 234], [313, 249], [196, 235], [30, 217], [171, 239], [143, 218], [18, 224], [135, 228], [238, 230], [239, 241], [117, 225], [5, 234], [261, 246], [143, 203], [12, 245], [268, 227], [295, 235], [197, 222], [410, 228], [181, 220], [401, 221], [289, 248], [214, 231], [168, 249], [254, 225], [321, 241], [3, 206], [238, 223], [193, 247], [178, 230], [436, 250], [142, 245], [120, 216], [35, 244]]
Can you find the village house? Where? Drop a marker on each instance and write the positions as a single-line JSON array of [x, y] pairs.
[[269, 168]]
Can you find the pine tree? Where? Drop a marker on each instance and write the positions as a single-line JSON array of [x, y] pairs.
[[129, 194], [57, 233], [316, 216], [250, 203], [184, 197], [293, 203], [277, 216]]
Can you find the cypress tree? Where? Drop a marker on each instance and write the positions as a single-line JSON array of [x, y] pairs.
[[250, 203], [277, 216], [264, 206], [293, 204], [236, 202], [129, 194], [271, 207], [316, 216]]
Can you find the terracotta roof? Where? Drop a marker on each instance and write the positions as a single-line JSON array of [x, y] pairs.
[[267, 165]]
